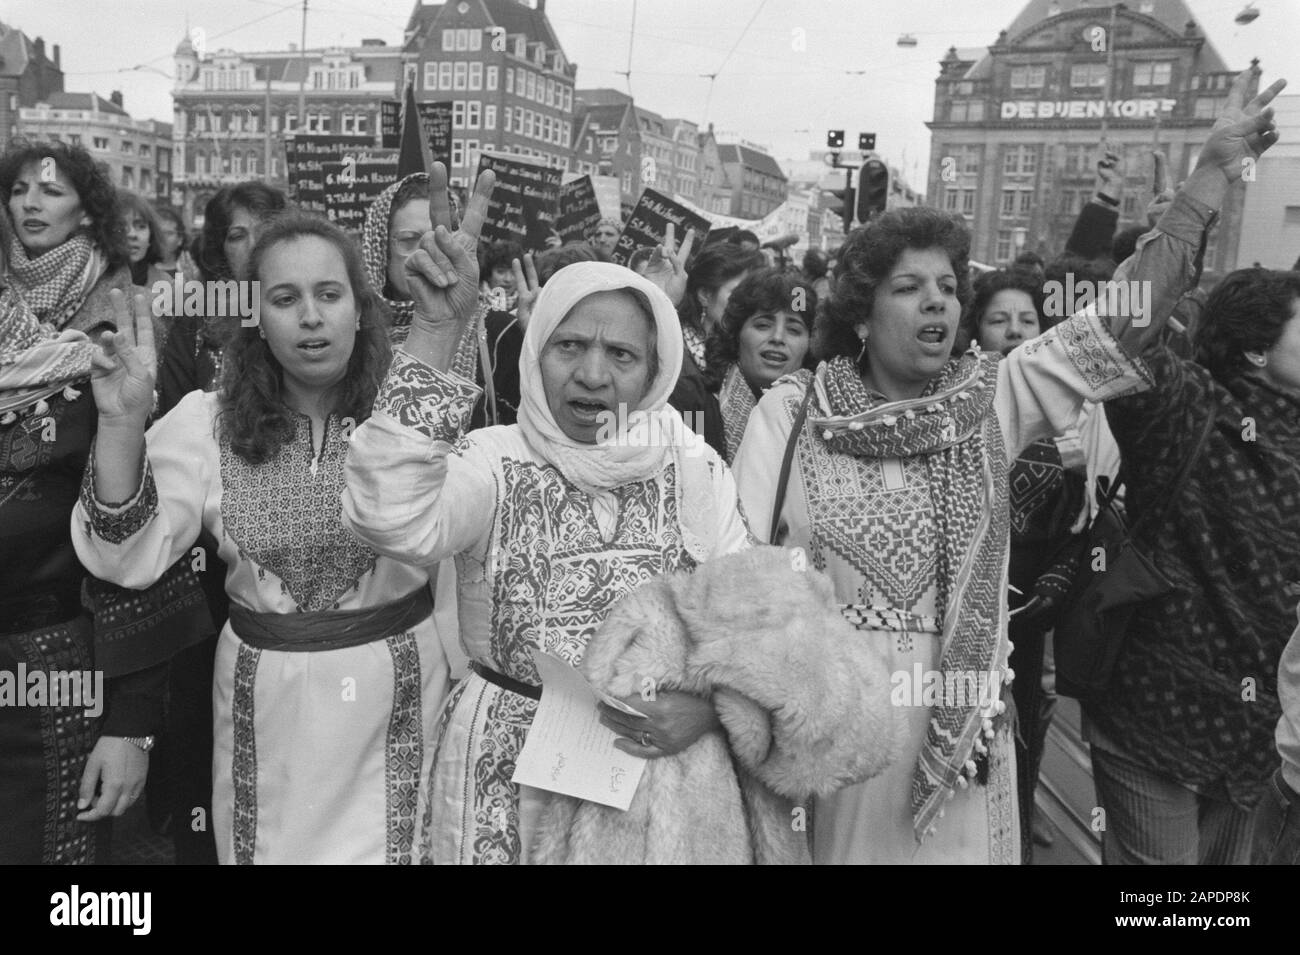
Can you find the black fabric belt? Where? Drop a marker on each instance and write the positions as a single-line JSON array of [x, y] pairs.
[[505, 682], [41, 610], [330, 629]]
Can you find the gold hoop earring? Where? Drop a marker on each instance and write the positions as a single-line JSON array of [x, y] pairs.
[[1256, 359]]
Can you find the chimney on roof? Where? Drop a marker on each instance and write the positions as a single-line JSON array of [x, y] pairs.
[[56, 57], [39, 43], [1191, 29], [115, 98], [372, 41]]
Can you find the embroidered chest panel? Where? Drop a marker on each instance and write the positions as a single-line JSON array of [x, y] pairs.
[[289, 520], [876, 515], [556, 578]]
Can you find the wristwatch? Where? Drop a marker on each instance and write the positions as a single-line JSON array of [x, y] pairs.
[[144, 742]]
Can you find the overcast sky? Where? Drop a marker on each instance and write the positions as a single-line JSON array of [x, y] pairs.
[[767, 89]]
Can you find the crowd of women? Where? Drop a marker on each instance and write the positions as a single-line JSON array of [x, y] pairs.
[[314, 556]]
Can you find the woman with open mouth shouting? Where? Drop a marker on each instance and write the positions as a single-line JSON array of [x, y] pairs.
[[899, 489]]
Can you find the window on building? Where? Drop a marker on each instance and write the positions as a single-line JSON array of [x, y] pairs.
[[458, 152], [1076, 158], [627, 181], [510, 80], [252, 163], [1008, 207], [473, 114], [1028, 77], [568, 145], [476, 39], [471, 153], [489, 117], [236, 122], [444, 76], [127, 147], [1086, 75], [1206, 107], [1004, 247], [74, 138], [968, 202], [101, 142], [951, 200], [237, 163], [458, 114], [1130, 206], [460, 72], [507, 119], [550, 92], [431, 75], [275, 166], [1155, 73], [251, 122], [476, 75], [1025, 203], [462, 39], [532, 86], [1020, 160], [492, 72], [146, 182], [200, 164]]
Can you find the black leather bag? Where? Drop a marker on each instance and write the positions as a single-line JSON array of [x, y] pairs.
[[1115, 577]]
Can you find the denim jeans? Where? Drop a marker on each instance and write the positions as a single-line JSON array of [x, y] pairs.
[[1277, 825], [1154, 820]]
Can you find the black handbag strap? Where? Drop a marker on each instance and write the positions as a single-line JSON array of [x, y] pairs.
[[1150, 517], [784, 480]]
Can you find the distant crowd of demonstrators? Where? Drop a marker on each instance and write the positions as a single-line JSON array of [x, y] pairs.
[[312, 555]]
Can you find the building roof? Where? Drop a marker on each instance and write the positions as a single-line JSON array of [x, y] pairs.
[[603, 97], [1174, 14], [511, 15], [91, 101], [760, 162], [16, 51], [383, 63]]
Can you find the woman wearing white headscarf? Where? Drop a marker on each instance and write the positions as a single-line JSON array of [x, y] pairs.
[[599, 488]]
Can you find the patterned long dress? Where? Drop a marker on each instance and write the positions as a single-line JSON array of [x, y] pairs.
[[539, 565], [318, 756], [871, 525]]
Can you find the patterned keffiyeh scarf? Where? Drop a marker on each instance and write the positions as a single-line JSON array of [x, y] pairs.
[[38, 355], [737, 401], [953, 427], [694, 344]]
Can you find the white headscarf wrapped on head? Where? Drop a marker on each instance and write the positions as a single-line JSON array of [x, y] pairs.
[[625, 457]]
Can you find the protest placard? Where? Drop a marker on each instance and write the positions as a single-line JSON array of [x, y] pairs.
[[354, 182], [435, 118], [524, 203], [579, 211], [303, 156], [648, 225]]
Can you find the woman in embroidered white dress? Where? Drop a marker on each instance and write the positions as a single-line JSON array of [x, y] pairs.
[[552, 520], [899, 491], [329, 673]]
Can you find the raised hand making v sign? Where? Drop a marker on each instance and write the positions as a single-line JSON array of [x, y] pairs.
[[443, 272]]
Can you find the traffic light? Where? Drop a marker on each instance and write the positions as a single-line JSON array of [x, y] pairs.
[[844, 201], [873, 189], [866, 142], [835, 139]]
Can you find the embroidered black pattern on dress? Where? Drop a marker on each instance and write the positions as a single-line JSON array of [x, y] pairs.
[[1093, 351], [115, 526], [289, 520], [404, 748], [495, 834], [66, 737], [244, 762], [421, 397]]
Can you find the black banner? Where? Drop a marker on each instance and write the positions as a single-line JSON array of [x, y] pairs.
[[524, 201], [648, 225], [435, 118]]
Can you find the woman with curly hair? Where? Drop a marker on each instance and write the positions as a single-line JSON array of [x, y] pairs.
[[764, 335], [143, 239], [64, 258], [329, 672], [899, 491]]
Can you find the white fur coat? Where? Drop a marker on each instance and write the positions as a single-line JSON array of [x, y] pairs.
[[802, 695]]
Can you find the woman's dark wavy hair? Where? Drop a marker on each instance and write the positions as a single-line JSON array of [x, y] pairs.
[[253, 414], [91, 179], [134, 205], [261, 200], [1246, 312], [714, 267], [764, 290], [867, 257], [987, 286], [499, 255]]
